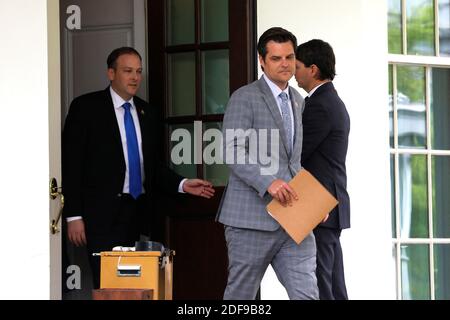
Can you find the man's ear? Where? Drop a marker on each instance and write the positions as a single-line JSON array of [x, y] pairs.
[[315, 72], [261, 61], [111, 74]]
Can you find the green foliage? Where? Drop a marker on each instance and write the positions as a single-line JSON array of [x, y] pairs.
[[395, 27], [420, 27], [418, 276], [411, 83], [419, 216], [395, 34]]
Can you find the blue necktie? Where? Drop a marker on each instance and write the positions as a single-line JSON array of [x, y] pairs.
[[287, 121], [134, 162]]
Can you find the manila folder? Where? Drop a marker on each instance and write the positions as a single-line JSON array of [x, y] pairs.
[[313, 204]]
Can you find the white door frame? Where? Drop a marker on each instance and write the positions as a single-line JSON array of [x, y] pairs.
[[29, 87], [54, 120]]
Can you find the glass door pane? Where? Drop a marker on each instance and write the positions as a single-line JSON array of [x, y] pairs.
[[415, 271], [214, 20], [181, 93], [395, 26], [180, 22], [441, 196], [391, 108], [182, 150], [413, 196], [213, 170], [420, 27], [441, 271], [444, 27], [411, 107], [216, 81], [440, 109], [393, 211]]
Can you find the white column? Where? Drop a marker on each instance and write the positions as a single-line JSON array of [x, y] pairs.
[[24, 162]]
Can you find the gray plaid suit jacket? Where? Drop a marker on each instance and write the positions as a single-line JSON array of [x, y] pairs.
[[244, 201]]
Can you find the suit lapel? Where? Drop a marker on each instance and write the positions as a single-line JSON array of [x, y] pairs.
[[112, 119], [297, 121], [145, 134], [275, 111], [141, 114], [142, 123]]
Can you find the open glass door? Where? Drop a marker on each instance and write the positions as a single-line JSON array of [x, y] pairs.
[[200, 51]]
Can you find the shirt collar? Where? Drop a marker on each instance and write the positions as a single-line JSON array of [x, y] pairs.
[[274, 88], [117, 100], [315, 88]]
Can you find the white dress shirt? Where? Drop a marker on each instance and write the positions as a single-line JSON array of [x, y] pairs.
[[120, 113], [276, 93]]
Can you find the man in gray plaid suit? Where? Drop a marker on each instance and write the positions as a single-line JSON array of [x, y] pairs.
[[262, 131]]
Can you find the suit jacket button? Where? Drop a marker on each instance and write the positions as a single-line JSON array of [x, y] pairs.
[[119, 195]]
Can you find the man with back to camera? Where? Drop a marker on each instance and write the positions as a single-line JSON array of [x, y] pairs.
[[326, 126], [254, 239], [110, 164]]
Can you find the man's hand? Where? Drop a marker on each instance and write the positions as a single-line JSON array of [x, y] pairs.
[[198, 187], [281, 191], [75, 232]]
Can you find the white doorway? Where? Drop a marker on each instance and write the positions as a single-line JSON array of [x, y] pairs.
[[105, 25]]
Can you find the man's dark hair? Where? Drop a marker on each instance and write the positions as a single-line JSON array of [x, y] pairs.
[[116, 53], [276, 34], [321, 54]]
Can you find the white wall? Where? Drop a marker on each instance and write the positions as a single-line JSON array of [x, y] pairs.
[[357, 30], [24, 205]]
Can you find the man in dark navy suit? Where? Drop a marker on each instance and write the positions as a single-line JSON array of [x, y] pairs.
[[326, 126], [111, 172]]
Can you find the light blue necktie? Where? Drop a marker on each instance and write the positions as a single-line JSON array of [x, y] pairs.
[[134, 162], [287, 121]]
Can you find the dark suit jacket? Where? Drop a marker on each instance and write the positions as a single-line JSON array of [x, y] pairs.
[[94, 164], [326, 126]]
